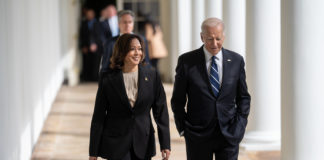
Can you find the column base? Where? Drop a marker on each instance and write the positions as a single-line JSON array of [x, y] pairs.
[[261, 141]]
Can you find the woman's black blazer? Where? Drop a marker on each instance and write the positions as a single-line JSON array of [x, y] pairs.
[[116, 125]]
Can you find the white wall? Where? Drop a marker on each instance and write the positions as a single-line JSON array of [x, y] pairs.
[[31, 71], [69, 11]]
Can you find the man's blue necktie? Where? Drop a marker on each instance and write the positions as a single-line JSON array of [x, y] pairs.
[[214, 77]]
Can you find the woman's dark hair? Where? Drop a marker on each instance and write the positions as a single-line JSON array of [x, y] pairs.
[[121, 49]]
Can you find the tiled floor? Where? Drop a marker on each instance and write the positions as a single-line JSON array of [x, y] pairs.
[[65, 135]]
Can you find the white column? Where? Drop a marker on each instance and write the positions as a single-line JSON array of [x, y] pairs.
[[120, 5], [198, 16], [180, 31], [166, 20], [174, 46], [6, 131], [184, 26], [68, 25], [214, 8], [31, 71], [302, 80], [234, 19], [263, 74]]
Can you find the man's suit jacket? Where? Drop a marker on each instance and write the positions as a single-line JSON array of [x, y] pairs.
[[116, 125], [108, 51], [90, 35], [229, 109], [106, 34]]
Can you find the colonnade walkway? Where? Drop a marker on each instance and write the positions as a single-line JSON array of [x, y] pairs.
[[65, 135]]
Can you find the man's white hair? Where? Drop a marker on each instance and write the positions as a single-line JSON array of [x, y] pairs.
[[212, 22]]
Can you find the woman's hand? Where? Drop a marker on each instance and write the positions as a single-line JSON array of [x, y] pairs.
[[92, 158], [165, 154]]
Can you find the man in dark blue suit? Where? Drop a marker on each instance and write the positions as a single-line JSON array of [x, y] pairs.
[[211, 81], [105, 27], [91, 47], [109, 23]]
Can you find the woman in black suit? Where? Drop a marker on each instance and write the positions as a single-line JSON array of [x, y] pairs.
[[121, 127]]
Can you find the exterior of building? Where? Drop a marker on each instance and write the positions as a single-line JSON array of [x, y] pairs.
[[282, 42]]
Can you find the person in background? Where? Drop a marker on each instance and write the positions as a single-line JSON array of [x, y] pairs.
[[109, 23], [156, 45], [126, 25], [121, 126], [91, 47], [113, 20]]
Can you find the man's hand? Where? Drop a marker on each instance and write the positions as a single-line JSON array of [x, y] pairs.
[[93, 47], [165, 154], [92, 158]]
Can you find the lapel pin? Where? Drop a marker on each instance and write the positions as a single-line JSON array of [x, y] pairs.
[[228, 60], [146, 79]]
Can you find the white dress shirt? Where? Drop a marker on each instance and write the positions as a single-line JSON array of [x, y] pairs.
[[219, 62], [131, 86], [113, 24]]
